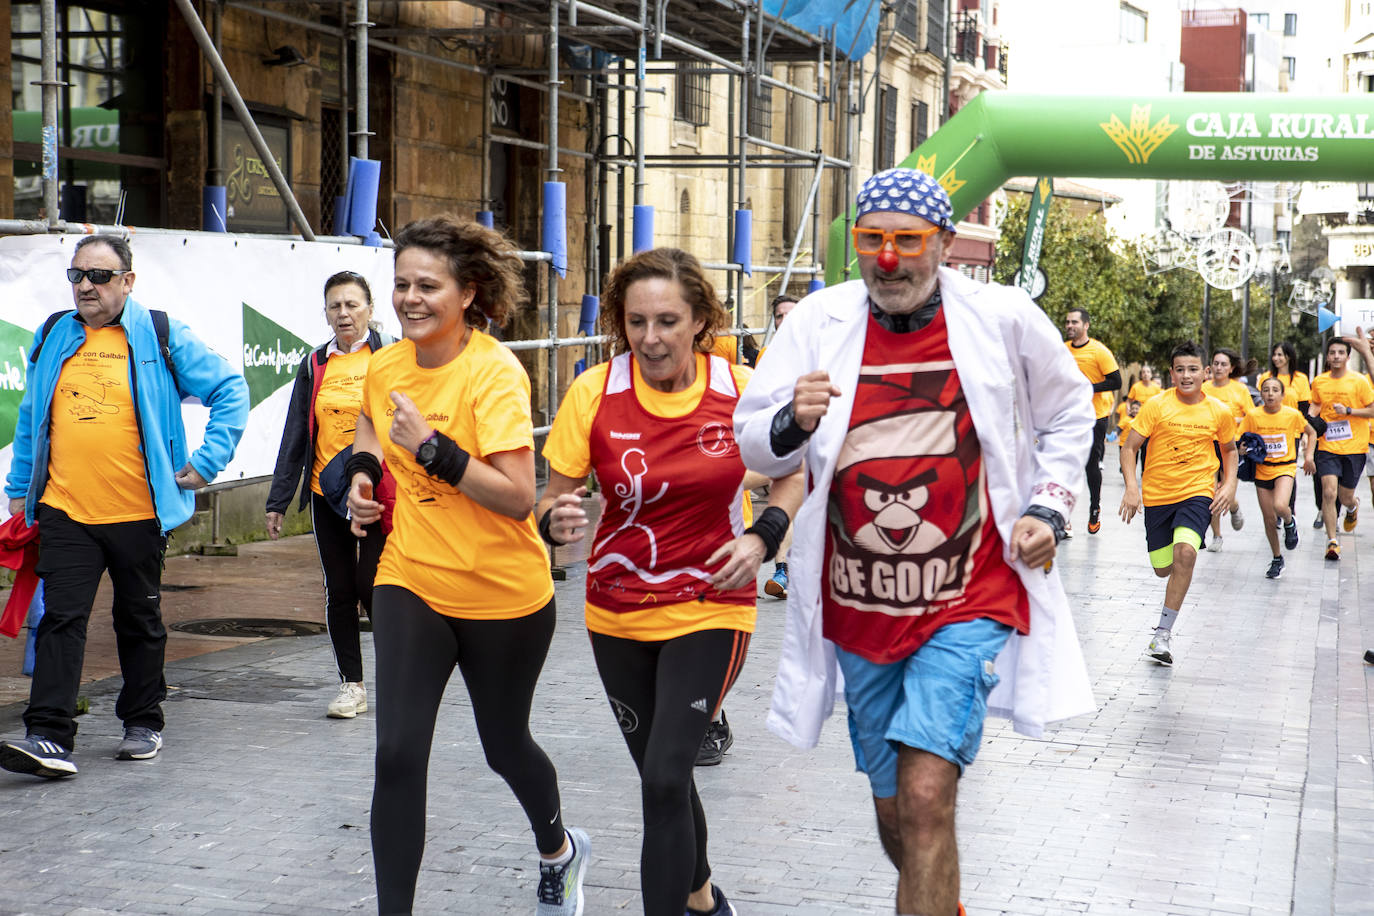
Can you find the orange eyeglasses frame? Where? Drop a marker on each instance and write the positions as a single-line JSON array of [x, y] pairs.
[[902, 240]]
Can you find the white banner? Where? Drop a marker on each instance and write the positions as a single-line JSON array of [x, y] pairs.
[[257, 302]]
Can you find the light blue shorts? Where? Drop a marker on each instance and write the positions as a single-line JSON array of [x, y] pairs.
[[934, 700]]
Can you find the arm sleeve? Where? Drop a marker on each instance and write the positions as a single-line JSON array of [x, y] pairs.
[[789, 356], [295, 439], [1061, 410], [203, 373], [1112, 382]]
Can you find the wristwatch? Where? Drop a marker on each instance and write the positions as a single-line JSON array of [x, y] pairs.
[[428, 450]]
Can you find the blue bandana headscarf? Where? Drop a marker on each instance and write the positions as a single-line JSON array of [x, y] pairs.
[[906, 191]]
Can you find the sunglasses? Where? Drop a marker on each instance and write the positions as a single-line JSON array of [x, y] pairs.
[[906, 242], [97, 275]]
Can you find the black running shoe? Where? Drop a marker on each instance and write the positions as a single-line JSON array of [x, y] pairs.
[[1275, 568]]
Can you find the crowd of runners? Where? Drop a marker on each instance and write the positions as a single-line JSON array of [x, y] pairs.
[[923, 439]]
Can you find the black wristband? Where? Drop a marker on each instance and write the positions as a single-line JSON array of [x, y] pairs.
[[784, 435], [770, 527], [546, 528], [1049, 517], [450, 462], [363, 463]]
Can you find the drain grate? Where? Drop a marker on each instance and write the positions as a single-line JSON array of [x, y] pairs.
[[249, 627]]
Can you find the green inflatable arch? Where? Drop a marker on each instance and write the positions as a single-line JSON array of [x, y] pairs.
[[1190, 136]]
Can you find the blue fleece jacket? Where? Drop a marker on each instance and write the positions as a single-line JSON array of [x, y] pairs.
[[200, 373]]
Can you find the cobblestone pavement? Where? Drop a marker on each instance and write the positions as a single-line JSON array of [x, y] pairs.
[[1237, 782]]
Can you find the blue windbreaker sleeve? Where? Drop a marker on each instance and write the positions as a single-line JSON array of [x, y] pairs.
[[204, 374]]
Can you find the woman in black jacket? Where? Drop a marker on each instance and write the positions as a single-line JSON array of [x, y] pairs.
[[315, 444]]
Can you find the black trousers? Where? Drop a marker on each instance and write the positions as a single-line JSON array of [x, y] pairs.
[[71, 558], [500, 660], [350, 565], [664, 694], [1093, 468]]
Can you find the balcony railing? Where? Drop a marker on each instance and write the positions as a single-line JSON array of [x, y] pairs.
[[968, 41]]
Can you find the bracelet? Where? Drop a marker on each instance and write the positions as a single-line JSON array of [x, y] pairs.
[[363, 463], [546, 528], [770, 527], [785, 435], [1050, 517], [449, 463]]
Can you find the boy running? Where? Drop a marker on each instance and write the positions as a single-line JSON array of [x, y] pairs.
[[1181, 493]]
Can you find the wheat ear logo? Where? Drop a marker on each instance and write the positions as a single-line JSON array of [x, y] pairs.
[[1140, 139]]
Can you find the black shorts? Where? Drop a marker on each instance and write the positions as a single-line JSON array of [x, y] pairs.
[[1195, 512], [1346, 468]]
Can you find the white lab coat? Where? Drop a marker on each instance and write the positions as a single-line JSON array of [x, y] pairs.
[[1032, 411]]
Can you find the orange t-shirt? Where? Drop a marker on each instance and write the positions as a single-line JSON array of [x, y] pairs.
[[1345, 435], [96, 472], [1181, 462], [568, 451], [1233, 394], [1280, 432], [459, 557], [336, 406], [1096, 362]]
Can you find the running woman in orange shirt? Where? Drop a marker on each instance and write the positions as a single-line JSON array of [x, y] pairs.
[[1281, 428], [1224, 386], [671, 571], [463, 579]]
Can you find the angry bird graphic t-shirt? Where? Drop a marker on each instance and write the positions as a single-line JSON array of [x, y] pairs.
[[911, 544]]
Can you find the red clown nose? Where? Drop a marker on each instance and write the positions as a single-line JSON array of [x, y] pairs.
[[887, 260]]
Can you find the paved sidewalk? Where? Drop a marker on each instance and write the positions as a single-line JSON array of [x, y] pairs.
[[1237, 782]]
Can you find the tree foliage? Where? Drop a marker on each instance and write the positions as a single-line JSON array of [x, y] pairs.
[[1140, 316]]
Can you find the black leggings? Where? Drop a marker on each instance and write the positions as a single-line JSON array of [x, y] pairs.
[[664, 694], [500, 661], [350, 565], [1094, 466]]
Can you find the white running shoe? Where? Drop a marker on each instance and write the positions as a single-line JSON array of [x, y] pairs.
[[560, 886], [1214, 545], [1160, 650], [1237, 520], [352, 699]]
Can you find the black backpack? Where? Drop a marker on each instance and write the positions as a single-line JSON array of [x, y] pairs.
[[160, 326]]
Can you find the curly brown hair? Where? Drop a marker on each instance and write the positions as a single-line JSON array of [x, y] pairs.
[[478, 257], [667, 264]]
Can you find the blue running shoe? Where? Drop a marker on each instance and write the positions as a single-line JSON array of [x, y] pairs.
[[776, 586], [38, 756], [560, 886], [139, 743]]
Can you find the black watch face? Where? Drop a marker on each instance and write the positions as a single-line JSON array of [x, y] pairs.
[[427, 451]]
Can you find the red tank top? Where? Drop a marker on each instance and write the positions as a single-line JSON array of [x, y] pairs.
[[670, 495]]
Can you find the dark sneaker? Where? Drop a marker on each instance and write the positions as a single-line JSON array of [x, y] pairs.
[[776, 586], [715, 742], [1275, 568], [139, 744], [560, 886], [38, 756], [1094, 521], [1318, 522], [1290, 535]]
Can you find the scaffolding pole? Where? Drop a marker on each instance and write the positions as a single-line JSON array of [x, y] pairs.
[[553, 173], [361, 87], [50, 84], [226, 81]]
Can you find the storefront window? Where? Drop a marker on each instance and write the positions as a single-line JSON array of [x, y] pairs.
[[108, 158]]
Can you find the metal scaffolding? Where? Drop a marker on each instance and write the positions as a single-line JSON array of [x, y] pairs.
[[646, 39]]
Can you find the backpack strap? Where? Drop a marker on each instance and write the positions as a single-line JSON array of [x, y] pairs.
[[163, 330], [51, 320]]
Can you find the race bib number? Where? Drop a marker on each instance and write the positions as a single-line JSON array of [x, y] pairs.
[[1337, 431], [1275, 446]]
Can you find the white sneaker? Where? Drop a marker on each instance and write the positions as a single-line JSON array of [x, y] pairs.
[[352, 699], [1214, 545], [1237, 520], [1160, 650]]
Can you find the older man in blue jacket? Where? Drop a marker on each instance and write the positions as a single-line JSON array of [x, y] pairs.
[[100, 462]]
